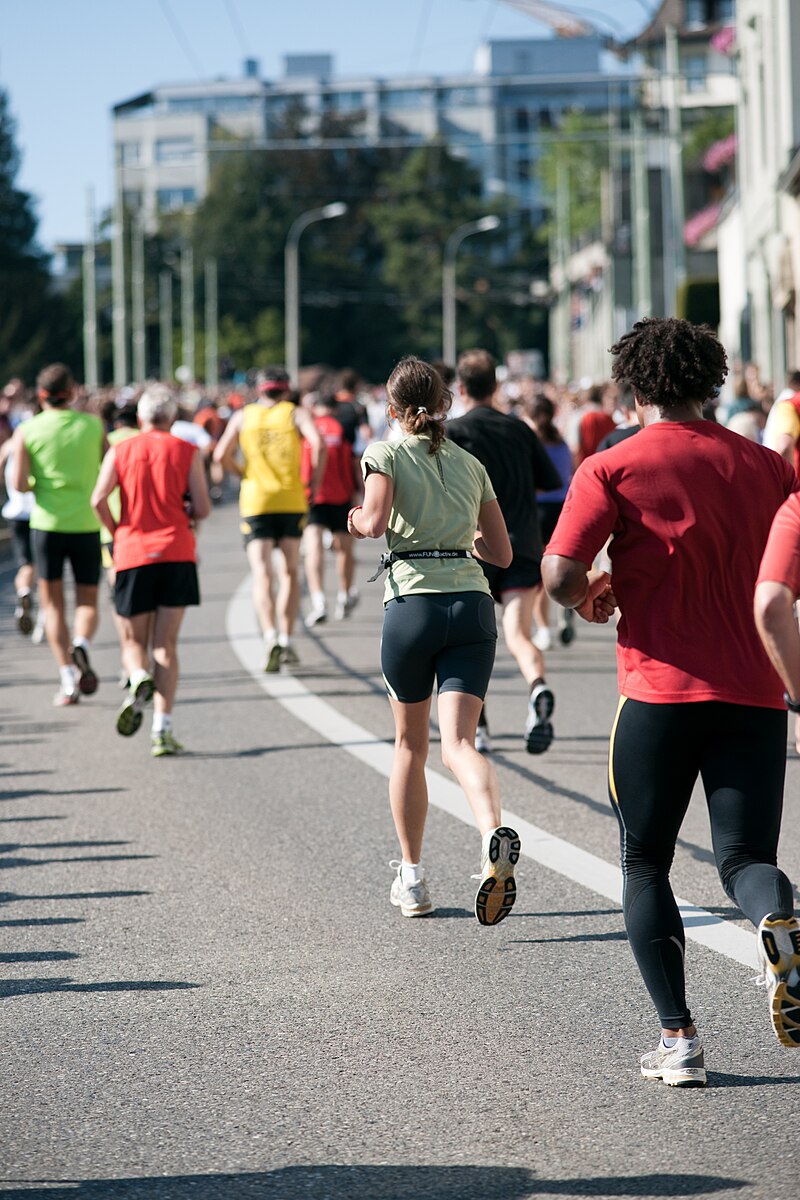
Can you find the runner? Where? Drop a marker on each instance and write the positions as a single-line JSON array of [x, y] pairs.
[[335, 494], [518, 467], [57, 455], [154, 557], [17, 511], [124, 424], [698, 694], [436, 506], [273, 501], [541, 414]]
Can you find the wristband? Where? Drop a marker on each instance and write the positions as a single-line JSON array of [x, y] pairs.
[[792, 705], [354, 509]]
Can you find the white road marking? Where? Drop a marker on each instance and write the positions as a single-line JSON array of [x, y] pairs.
[[551, 852]]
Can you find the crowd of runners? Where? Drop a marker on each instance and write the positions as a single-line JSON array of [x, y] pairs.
[[626, 503]]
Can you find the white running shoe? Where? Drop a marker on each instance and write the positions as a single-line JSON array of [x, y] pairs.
[[779, 959], [497, 889], [483, 741], [346, 604], [539, 727], [542, 639], [317, 616], [414, 899], [681, 1065]]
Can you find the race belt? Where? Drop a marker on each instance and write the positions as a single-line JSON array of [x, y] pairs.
[[394, 556]]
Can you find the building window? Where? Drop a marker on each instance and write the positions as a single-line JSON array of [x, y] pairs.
[[696, 12], [129, 153], [347, 101], [170, 150], [695, 71], [132, 199], [175, 198], [406, 98]]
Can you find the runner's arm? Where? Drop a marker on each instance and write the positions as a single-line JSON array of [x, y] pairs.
[[785, 444], [306, 426], [777, 628], [573, 585], [491, 543], [198, 488], [371, 518], [21, 470], [107, 480], [228, 444]]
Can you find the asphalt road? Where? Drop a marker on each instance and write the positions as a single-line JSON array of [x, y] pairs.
[[205, 991]]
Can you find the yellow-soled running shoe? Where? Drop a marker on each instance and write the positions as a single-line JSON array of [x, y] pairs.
[[779, 959], [497, 889]]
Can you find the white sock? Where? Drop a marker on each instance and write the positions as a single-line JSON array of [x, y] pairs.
[[269, 637], [67, 677], [136, 678], [23, 592], [317, 599], [162, 722], [283, 639], [411, 873], [81, 641]]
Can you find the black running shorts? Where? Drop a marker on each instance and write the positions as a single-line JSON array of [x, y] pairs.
[[52, 549], [523, 573], [156, 585], [329, 516], [21, 542], [449, 637], [272, 527]]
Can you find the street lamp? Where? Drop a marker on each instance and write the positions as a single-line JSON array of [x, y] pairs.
[[292, 278], [483, 225]]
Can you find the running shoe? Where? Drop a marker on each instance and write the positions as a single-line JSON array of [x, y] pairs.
[[88, 681], [566, 627], [164, 744], [129, 717], [779, 959], [497, 889], [483, 741], [289, 656], [317, 616], [37, 637], [413, 899], [23, 613], [273, 659], [346, 604], [681, 1065], [538, 727], [64, 698], [542, 639]]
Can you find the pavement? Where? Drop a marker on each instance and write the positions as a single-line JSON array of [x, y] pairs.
[[206, 993]]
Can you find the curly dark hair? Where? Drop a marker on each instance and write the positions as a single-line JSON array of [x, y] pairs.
[[668, 361], [420, 398]]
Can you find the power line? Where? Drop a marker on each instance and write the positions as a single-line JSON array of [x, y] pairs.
[[180, 38], [419, 40], [236, 23]]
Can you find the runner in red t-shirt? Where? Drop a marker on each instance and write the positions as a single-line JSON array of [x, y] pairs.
[[154, 557], [331, 503], [699, 696]]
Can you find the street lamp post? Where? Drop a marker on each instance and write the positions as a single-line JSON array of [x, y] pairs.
[[292, 279], [482, 225]]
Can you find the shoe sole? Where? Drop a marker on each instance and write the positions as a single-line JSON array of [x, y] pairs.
[[678, 1077], [88, 682], [320, 620], [540, 735], [405, 911], [273, 661], [785, 1015], [129, 717], [498, 889], [66, 701], [24, 618]]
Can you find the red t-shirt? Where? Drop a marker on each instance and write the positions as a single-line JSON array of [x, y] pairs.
[[153, 473], [688, 506], [336, 486], [781, 561]]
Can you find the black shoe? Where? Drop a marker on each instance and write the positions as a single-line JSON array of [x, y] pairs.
[[539, 729], [23, 613], [88, 682]]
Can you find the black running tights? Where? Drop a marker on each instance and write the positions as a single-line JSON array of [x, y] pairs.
[[656, 754]]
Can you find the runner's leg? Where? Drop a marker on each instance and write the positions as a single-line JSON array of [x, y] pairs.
[[408, 790], [259, 557], [458, 721], [288, 600], [166, 627]]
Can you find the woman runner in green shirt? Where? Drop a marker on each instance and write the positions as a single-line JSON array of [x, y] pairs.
[[436, 506]]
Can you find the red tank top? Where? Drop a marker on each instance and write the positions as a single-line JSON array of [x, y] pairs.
[[153, 472], [337, 485]]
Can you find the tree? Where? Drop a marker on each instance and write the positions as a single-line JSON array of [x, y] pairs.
[[579, 153], [34, 322]]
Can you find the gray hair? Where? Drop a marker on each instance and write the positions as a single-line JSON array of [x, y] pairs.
[[157, 406]]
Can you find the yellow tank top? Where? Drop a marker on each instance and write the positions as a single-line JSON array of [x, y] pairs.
[[271, 447]]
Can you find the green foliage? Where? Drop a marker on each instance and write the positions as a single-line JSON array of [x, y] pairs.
[[35, 324], [580, 149], [712, 126]]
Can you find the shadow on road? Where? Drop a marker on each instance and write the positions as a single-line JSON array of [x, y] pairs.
[[372, 1183], [39, 987]]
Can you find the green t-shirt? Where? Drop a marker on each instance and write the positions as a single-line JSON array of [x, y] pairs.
[[436, 504], [65, 449]]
